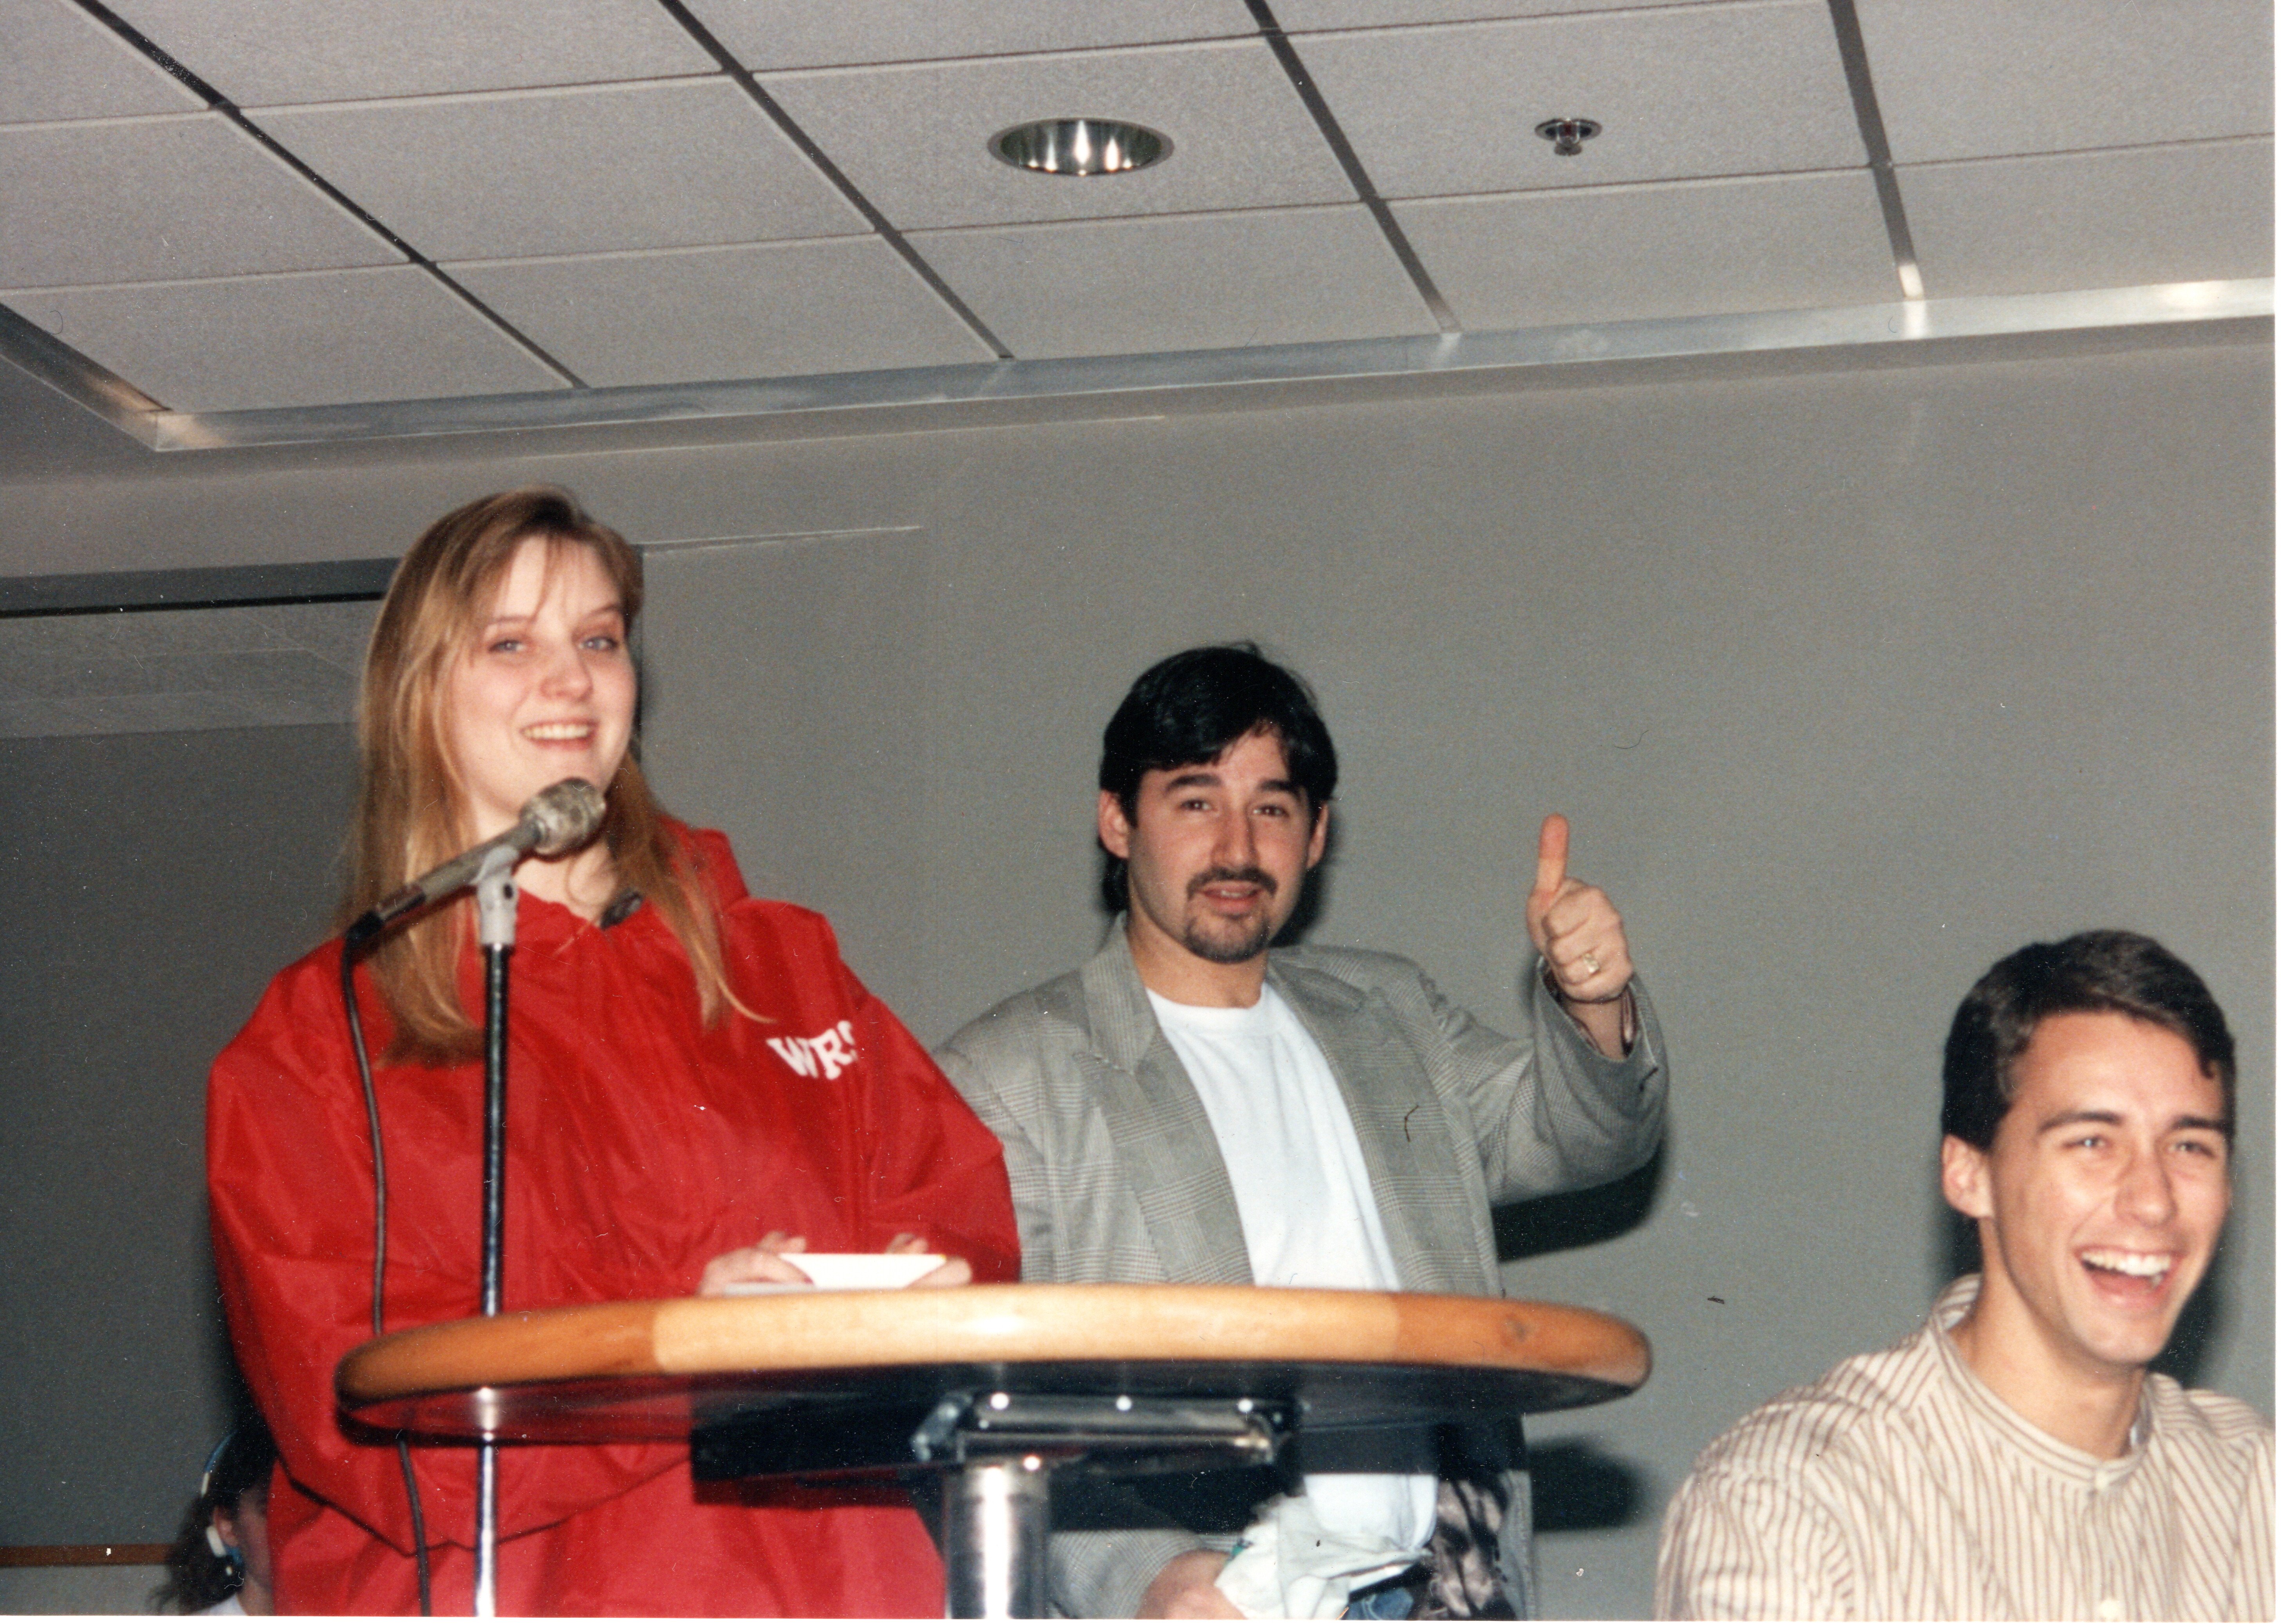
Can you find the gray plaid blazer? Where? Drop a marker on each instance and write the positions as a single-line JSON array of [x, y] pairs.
[[1117, 1178]]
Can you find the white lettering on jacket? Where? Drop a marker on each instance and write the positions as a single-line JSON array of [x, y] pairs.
[[831, 1051]]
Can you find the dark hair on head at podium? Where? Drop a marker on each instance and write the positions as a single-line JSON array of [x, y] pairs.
[[2117, 972], [201, 1570], [1191, 708]]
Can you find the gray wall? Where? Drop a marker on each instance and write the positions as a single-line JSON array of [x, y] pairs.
[[1851, 681], [1849, 685], [149, 884]]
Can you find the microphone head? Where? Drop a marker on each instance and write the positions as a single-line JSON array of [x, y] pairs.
[[565, 815]]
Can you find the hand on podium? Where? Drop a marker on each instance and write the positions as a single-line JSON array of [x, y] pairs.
[[767, 1264]]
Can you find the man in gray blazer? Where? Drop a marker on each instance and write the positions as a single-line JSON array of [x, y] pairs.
[[1191, 1107]]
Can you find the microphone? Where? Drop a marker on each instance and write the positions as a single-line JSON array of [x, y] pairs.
[[557, 818]]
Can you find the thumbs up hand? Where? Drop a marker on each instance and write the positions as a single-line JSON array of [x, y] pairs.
[[1581, 936]]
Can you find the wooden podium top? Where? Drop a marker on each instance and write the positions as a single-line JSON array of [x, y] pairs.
[[650, 1369]]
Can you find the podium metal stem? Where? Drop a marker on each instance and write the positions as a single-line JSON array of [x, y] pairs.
[[996, 1524], [487, 1530]]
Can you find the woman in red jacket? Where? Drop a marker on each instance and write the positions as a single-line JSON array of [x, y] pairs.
[[697, 1079]]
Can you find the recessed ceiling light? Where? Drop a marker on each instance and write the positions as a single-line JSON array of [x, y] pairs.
[[1567, 135], [1081, 146]]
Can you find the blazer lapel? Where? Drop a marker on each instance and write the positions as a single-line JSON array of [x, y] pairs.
[[1162, 1136], [1423, 1199]]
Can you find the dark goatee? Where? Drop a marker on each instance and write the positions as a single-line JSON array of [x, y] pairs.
[[1224, 949]]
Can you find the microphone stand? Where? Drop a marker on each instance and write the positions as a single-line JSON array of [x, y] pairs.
[[495, 900], [554, 820]]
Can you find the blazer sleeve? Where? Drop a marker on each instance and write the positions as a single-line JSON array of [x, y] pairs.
[[1551, 1113], [986, 1070]]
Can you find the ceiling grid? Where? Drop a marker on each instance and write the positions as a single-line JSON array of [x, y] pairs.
[[222, 221], [218, 103], [1335, 138], [816, 155], [1855, 55]]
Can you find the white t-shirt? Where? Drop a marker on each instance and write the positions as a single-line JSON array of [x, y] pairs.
[[1303, 1194]]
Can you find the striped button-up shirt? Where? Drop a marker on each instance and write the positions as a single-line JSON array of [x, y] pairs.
[[1899, 1487]]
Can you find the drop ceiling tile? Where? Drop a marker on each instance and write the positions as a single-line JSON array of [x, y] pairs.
[[2120, 219], [325, 338], [1314, 16], [913, 139], [1680, 93], [1993, 78], [270, 53], [57, 62], [149, 199], [557, 172], [1141, 287], [760, 311], [1617, 254], [766, 35]]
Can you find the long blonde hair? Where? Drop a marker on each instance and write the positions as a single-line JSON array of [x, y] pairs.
[[410, 798]]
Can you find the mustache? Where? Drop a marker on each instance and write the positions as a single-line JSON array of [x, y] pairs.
[[1260, 877]]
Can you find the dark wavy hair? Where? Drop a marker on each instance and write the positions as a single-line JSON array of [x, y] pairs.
[[1190, 707], [196, 1576], [2117, 972]]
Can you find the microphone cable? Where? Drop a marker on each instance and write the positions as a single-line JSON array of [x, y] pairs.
[[554, 820], [380, 1258]]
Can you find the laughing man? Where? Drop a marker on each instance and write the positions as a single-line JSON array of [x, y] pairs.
[[2016, 1458]]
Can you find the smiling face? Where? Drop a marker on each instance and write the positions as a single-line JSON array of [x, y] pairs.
[[1217, 854], [2098, 1203], [545, 689]]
